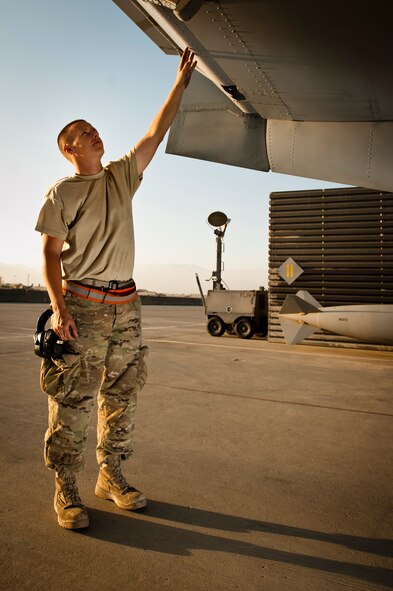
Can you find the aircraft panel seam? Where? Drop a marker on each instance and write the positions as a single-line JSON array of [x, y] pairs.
[[370, 149], [269, 145], [236, 38], [293, 145]]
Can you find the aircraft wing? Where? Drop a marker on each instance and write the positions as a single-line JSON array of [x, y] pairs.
[[302, 88]]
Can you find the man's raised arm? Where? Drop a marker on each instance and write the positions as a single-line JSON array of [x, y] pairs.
[[147, 146]]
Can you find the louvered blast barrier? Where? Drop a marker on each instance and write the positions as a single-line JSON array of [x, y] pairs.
[[335, 243]]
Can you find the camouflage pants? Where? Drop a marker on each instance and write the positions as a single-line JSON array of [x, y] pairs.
[[108, 361]]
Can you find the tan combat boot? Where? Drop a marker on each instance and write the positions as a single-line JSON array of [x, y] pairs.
[[71, 513], [112, 485]]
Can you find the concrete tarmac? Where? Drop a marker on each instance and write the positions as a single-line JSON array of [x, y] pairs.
[[267, 467]]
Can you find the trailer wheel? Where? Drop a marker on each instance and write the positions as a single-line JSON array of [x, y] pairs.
[[245, 328], [215, 326]]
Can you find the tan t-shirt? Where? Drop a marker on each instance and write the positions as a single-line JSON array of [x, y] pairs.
[[93, 215]]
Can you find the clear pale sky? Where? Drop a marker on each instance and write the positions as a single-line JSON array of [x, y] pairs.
[[68, 59]]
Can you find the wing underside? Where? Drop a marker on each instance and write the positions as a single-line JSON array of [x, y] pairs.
[[300, 88]]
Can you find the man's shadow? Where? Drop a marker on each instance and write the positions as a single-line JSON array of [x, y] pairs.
[[136, 530]]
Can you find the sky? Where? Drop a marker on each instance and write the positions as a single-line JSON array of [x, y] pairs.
[[72, 59]]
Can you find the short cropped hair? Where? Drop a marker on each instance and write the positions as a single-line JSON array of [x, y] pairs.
[[64, 136]]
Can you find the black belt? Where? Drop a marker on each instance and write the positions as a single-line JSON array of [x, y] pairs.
[[106, 285]]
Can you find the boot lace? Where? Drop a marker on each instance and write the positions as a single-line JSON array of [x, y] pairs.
[[119, 478], [70, 491]]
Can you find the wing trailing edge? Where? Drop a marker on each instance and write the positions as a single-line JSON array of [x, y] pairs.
[[354, 153], [209, 126]]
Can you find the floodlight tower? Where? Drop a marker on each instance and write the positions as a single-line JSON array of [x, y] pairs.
[[219, 221]]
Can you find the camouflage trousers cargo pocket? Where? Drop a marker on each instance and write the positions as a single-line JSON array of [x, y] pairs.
[[58, 377]]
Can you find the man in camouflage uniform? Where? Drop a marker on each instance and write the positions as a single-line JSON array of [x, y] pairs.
[[88, 256]]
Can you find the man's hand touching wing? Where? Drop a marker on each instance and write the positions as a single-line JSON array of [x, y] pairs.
[[186, 67]]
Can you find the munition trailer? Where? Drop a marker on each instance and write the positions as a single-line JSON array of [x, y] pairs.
[[241, 312]]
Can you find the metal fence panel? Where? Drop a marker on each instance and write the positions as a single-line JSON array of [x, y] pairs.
[[343, 241]]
